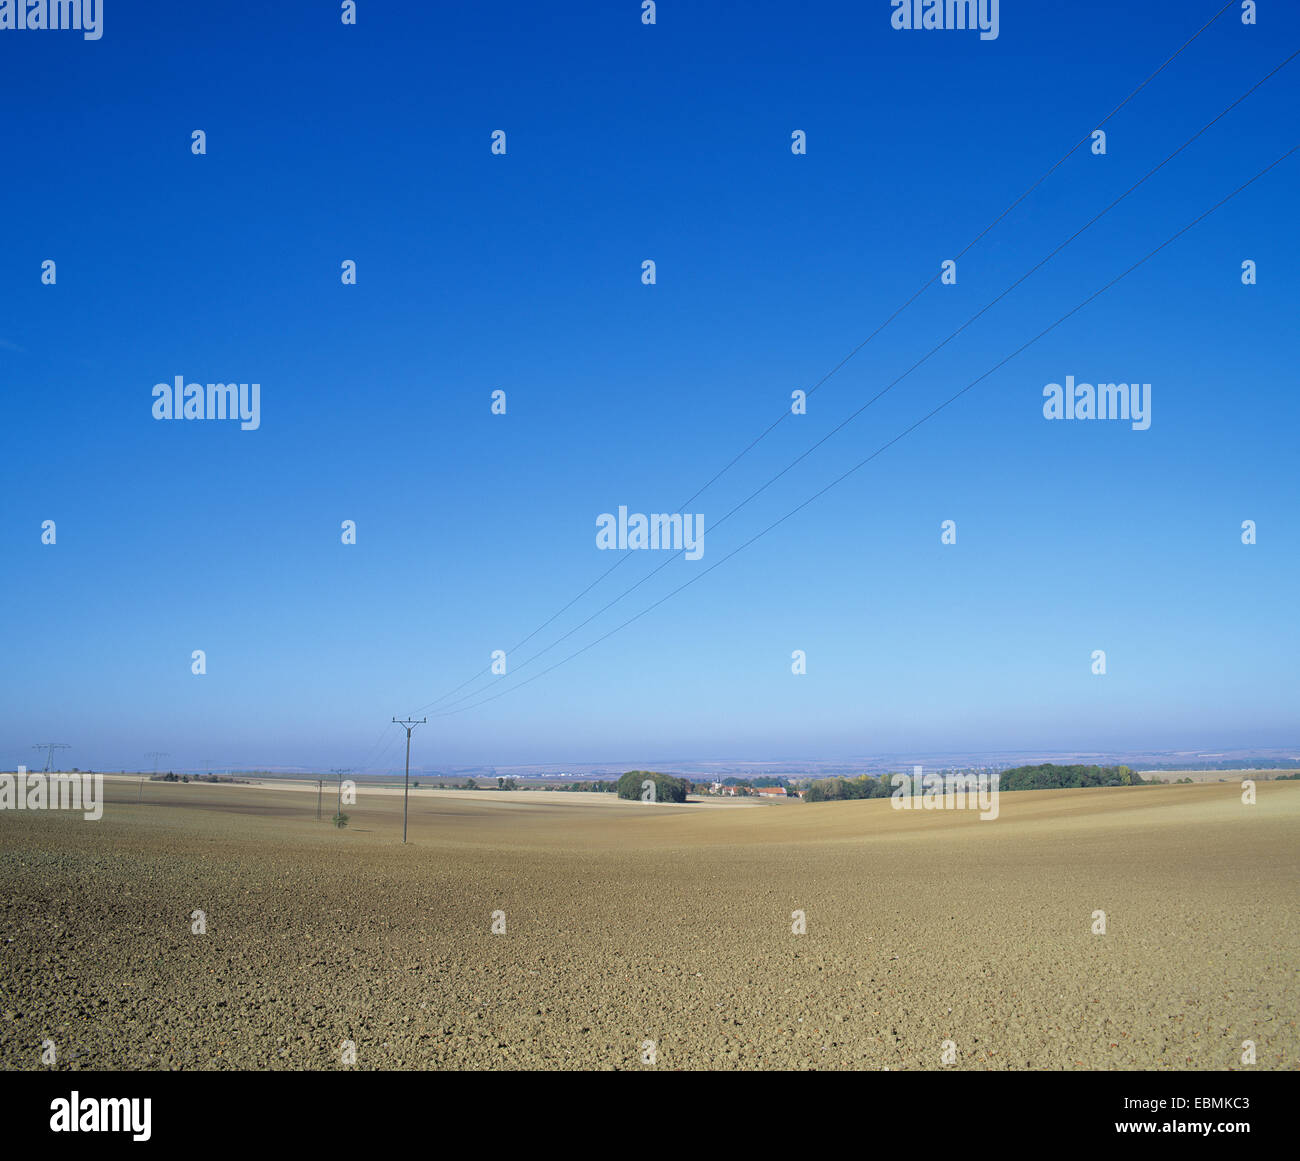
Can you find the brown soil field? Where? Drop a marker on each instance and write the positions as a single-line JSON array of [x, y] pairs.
[[628, 923]]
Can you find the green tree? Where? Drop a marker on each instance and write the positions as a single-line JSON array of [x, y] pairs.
[[666, 787]]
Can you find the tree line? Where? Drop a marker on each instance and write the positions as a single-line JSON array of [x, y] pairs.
[[1046, 776]]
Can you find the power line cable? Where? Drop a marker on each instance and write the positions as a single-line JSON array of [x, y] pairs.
[[884, 447], [888, 387], [934, 278]]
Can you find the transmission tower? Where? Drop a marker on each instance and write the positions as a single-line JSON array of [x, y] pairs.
[[155, 755], [49, 748]]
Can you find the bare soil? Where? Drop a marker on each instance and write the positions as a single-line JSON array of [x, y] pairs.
[[631, 923]]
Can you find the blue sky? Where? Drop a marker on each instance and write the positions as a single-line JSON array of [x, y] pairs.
[[523, 272]]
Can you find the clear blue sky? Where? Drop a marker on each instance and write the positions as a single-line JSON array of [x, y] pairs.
[[523, 272]]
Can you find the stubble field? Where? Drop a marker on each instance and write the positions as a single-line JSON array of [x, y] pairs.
[[628, 923]]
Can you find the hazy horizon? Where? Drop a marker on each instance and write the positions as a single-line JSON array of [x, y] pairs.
[[733, 764]]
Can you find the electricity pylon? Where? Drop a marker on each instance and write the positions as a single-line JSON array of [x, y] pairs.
[[155, 755], [49, 748]]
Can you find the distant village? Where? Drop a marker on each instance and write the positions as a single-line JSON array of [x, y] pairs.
[[737, 788]]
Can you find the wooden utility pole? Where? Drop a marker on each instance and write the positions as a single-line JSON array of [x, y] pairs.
[[408, 725], [340, 771]]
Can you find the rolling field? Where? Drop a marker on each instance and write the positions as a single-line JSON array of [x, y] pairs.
[[627, 923], [1231, 776]]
